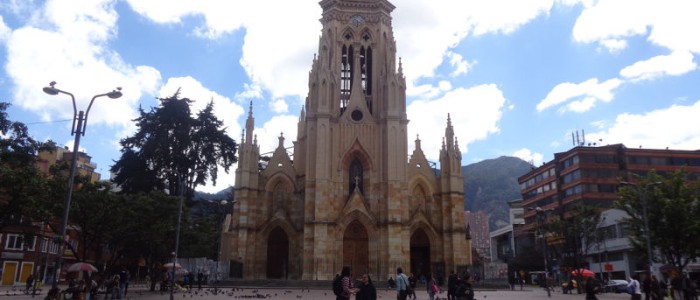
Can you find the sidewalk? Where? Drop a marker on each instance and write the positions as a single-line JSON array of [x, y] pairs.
[[142, 292]]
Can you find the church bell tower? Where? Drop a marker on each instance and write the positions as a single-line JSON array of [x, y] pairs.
[[349, 195]]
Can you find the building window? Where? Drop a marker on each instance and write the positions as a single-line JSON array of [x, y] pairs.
[[14, 242], [355, 176]]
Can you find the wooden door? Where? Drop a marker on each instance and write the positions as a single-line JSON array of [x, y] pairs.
[[356, 248], [277, 254], [9, 271]]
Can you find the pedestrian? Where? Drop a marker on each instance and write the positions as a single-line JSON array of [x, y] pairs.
[[366, 291], [30, 283], [646, 287], [123, 283], [636, 289], [52, 294], [402, 284], [346, 282], [452, 284], [464, 290], [113, 288], [655, 288], [591, 289], [432, 287], [412, 280]]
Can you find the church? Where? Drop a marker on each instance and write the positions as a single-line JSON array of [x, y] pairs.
[[349, 193]]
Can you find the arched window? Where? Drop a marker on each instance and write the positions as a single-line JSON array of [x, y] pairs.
[[345, 76], [279, 197], [355, 176]]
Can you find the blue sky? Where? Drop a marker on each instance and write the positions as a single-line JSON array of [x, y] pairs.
[[518, 77]]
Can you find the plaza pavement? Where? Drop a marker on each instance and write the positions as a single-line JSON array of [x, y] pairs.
[[138, 292]]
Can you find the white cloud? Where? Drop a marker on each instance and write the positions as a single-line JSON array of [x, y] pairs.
[[429, 91], [527, 155], [426, 30], [675, 64], [583, 95], [668, 24], [614, 45], [279, 106], [69, 44], [4, 30], [460, 65], [655, 129], [485, 105]]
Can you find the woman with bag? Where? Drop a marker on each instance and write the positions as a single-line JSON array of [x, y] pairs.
[[432, 287]]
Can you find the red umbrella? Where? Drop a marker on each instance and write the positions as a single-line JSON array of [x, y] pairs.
[[82, 267], [583, 272]]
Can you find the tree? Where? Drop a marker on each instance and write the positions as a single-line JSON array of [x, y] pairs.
[[673, 206], [579, 230], [171, 147], [24, 188]]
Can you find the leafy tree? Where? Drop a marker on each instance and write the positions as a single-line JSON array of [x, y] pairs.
[[24, 190], [673, 206], [96, 210], [578, 229], [171, 143]]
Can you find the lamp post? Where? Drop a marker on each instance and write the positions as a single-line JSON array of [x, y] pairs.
[[177, 235], [540, 214], [645, 217], [223, 204], [78, 129]]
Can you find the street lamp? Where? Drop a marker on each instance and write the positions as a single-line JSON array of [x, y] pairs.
[[177, 229], [78, 130], [645, 216], [540, 214]]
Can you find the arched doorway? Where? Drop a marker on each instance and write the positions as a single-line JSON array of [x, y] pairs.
[[420, 253], [356, 248], [277, 254]]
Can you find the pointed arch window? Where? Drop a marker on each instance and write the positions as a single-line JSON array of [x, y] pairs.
[[345, 76], [366, 73], [355, 176]]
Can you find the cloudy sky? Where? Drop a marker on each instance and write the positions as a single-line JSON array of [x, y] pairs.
[[518, 77]]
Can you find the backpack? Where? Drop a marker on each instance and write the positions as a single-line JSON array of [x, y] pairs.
[[338, 286]]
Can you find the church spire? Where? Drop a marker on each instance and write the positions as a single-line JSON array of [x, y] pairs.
[[449, 135], [249, 124]]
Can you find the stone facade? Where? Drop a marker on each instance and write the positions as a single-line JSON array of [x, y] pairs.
[[349, 194]]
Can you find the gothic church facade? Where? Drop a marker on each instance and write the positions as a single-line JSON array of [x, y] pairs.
[[349, 195]]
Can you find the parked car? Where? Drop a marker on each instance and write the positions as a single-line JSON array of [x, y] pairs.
[[616, 286]]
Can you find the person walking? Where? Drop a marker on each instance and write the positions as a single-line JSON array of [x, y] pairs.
[[591, 289], [30, 283], [636, 288], [412, 280], [451, 285], [402, 285], [432, 287], [366, 291]]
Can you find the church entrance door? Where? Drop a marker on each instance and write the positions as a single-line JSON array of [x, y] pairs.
[[420, 253], [277, 254], [356, 248]]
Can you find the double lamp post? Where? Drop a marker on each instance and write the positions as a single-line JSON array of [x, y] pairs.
[[77, 129]]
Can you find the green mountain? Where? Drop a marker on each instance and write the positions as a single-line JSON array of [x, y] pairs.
[[490, 184]]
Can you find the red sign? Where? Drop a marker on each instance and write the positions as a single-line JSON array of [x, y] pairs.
[[608, 268]]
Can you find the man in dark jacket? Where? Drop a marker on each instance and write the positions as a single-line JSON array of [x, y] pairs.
[[451, 285]]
